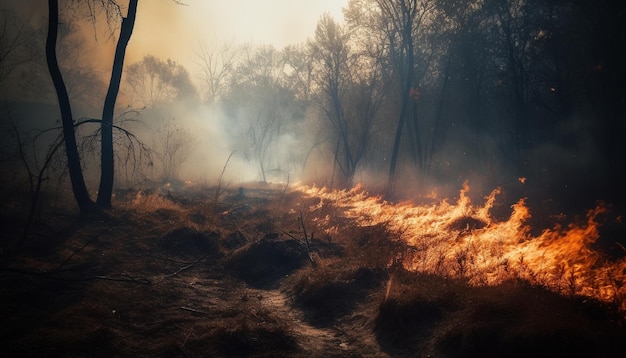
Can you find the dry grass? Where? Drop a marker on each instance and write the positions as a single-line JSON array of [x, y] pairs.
[[157, 278]]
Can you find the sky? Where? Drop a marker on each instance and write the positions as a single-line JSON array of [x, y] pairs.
[[168, 30]]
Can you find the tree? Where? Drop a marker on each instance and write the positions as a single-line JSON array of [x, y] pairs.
[[261, 107], [79, 188], [11, 41], [514, 30], [154, 81], [299, 70], [174, 147], [400, 20], [468, 79], [396, 26], [350, 85], [107, 167], [216, 65]]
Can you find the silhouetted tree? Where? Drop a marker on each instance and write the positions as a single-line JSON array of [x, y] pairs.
[[13, 34], [79, 187], [107, 166], [351, 90], [397, 25]]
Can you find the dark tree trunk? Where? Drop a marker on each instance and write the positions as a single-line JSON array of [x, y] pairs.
[[442, 101], [396, 142], [406, 71], [106, 161], [79, 188], [404, 20]]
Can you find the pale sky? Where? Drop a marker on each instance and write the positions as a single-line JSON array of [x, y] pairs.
[[168, 30]]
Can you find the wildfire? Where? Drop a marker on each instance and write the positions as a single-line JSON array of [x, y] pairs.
[[463, 240]]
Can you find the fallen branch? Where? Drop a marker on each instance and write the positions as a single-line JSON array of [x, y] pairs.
[[62, 264], [124, 277], [167, 259], [189, 309], [241, 207], [186, 267], [187, 338]]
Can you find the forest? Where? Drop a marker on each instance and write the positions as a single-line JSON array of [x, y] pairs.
[[218, 164], [413, 93]]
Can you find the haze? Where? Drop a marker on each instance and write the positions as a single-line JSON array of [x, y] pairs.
[[170, 30], [501, 96]]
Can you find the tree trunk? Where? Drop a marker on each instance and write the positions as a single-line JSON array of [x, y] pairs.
[[406, 87], [396, 142], [106, 160], [79, 188], [405, 70]]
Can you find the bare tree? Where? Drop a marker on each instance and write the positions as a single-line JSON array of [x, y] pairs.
[[12, 39], [154, 81], [79, 187], [216, 65], [41, 165], [401, 19], [107, 166], [261, 105], [173, 149], [351, 89], [396, 24], [299, 70]]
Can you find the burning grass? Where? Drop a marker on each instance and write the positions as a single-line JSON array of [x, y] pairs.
[[308, 273], [464, 241]]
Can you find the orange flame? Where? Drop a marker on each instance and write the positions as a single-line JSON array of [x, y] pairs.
[[463, 240]]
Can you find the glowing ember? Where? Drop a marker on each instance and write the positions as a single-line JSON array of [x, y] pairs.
[[463, 240]]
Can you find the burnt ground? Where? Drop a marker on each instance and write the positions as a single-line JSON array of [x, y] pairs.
[[176, 273]]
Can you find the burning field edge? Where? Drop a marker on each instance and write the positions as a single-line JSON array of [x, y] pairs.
[[266, 270]]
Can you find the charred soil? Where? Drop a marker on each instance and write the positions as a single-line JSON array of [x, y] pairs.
[[171, 273]]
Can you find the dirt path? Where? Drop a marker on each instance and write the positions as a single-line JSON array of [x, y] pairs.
[[348, 339], [312, 339]]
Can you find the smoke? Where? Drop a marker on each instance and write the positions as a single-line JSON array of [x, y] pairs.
[[213, 148], [218, 145], [301, 150]]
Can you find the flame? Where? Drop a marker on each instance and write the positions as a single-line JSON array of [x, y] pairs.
[[463, 240]]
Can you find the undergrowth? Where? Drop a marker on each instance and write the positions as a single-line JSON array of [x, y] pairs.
[[158, 273]]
